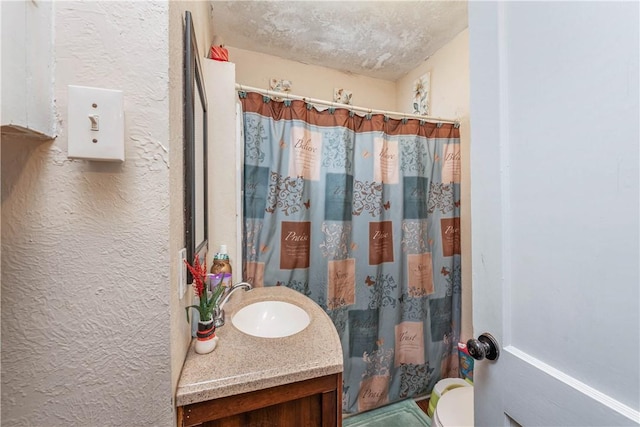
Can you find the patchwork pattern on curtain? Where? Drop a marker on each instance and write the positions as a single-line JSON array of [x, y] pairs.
[[361, 214]]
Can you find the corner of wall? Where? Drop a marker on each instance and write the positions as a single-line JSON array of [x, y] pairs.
[[180, 330]]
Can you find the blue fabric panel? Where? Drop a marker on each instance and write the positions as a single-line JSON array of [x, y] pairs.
[[338, 197], [415, 194], [440, 317], [363, 327], [256, 179]]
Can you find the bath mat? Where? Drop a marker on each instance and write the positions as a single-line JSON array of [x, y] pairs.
[[405, 413]]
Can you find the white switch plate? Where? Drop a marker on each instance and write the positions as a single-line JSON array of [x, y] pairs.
[[98, 108], [182, 273]]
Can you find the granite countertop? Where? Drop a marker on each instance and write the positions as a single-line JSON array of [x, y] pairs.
[[242, 363]]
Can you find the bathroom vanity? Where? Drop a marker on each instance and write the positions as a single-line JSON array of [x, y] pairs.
[[254, 381]]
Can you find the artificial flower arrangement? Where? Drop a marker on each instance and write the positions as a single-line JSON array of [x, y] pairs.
[[207, 303]]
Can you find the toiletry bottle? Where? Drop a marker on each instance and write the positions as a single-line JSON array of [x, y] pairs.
[[222, 265]]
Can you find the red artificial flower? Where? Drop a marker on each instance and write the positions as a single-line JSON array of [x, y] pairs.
[[199, 273]]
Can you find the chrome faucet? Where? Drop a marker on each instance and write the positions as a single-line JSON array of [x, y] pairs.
[[218, 315]]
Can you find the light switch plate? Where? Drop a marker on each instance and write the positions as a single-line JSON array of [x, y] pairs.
[[182, 273], [95, 124]]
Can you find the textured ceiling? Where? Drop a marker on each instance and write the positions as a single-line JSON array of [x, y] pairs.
[[382, 39]]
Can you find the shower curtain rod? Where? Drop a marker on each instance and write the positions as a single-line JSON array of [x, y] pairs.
[[286, 95]]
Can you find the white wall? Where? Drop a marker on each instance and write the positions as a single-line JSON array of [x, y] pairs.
[[257, 69], [27, 67], [93, 332], [449, 70], [223, 162]]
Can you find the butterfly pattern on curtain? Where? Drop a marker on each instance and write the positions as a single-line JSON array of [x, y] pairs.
[[362, 215]]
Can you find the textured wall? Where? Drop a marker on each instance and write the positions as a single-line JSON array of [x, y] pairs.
[[382, 39], [85, 245]]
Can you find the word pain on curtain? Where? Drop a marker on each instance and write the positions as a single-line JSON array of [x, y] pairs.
[[361, 214]]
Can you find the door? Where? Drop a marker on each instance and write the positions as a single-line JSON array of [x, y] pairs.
[[555, 211]]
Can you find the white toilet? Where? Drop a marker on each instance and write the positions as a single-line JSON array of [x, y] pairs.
[[454, 408]]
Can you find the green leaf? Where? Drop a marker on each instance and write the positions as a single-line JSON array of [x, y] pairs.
[[191, 306], [217, 293]]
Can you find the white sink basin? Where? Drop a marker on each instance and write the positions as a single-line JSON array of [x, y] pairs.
[[271, 319]]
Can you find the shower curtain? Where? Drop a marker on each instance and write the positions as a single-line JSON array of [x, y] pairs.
[[361, 214]]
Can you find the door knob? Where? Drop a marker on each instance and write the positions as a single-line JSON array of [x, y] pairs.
[[485, 346]]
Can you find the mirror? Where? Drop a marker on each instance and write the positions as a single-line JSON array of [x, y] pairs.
[[195, 148]]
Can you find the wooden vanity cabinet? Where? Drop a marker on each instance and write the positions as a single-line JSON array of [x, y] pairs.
[[313, 402]]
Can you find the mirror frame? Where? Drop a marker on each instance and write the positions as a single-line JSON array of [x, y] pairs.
[[195, 196]]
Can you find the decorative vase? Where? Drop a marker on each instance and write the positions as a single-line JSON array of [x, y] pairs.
[[206, 339]]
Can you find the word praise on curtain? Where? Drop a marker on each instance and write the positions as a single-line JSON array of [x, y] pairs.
[[361, 214]]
